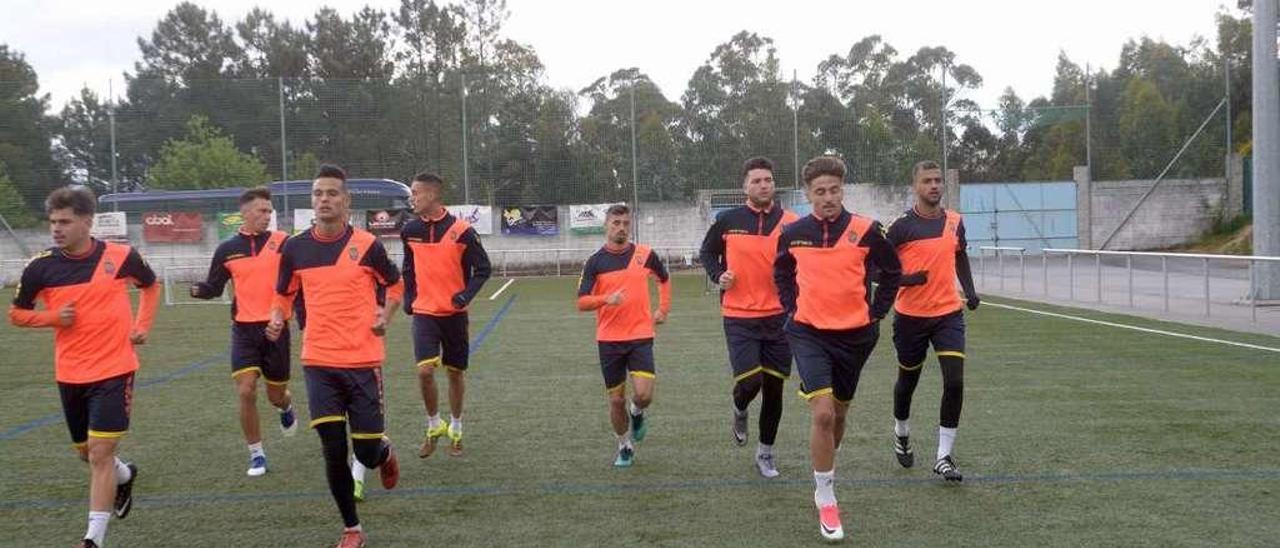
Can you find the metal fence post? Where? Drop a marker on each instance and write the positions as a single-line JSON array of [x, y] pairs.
[[1206, 287], [1022, 266], [1097, 272], [982, 268], [1164, 269], [1252, 296], [1129, 265], [1044, 271], [1071, 277], [1000, 268]]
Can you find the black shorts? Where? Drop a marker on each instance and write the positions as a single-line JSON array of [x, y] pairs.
[[617, 359], [441, 340], [830, 362], [757, 345], [251, 351], [347, 394], [912, 336], [99, 409]]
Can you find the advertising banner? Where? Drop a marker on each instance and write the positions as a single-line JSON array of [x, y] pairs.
[[110, 226], [229, 224], [587, 218], [176, 227], [303, 219], [530, 221], [385, 223], [479, 216]]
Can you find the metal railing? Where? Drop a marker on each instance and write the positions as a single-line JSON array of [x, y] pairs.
[[1251, 261]]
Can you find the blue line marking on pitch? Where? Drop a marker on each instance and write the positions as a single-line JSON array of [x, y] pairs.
[[185, 500], [54, 418], [493, 322]]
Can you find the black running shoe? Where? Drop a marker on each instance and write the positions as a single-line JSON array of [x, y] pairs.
[[124, 493], [740, 427], [902, 450], [87, 543], [946, 468]]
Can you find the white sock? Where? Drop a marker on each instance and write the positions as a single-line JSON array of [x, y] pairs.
[[738, 412], [433, 421], [357, 470], [357, 528], [455, 424], [285, 409], [636, 410], [255, 450], [946, 438], [123, 474], [902, 428], [824, 493], [97, 527], [624, 439], [763, 449]]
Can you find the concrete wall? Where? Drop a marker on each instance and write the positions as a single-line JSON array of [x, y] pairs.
[[1177, 213]]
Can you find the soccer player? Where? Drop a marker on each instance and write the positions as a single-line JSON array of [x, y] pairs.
[[930, 242], [340, 268], [615, 284], [444, 268], [738, 253], [251, 259], [83, 285], [823, 276]]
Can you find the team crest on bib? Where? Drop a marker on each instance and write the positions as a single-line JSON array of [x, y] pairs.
[[109, 267], [353, 252], [853, 237], [271, 246]]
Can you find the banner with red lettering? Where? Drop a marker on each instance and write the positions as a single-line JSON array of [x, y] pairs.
[[172, 227]]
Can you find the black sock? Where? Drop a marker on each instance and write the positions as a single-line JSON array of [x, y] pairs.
[[903, 390], [333, 441], [770, 408], [952, 390], [745, 390]]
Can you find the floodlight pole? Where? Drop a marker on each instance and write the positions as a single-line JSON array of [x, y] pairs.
[[284, 155], [1266, 149], [635, 180]]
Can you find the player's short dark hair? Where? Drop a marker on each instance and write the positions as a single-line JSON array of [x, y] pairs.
[[618, 209], [429, 178], [78, 198], [759, 162], [331, 171], [255, 193], [822, 165], [921, 166]]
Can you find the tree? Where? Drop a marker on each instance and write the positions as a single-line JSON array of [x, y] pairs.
[[204, 158], [12, 207], [735, 107], [25, 135], [84, 144]]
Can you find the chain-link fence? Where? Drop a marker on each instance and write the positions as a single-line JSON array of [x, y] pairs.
[[501, 142]]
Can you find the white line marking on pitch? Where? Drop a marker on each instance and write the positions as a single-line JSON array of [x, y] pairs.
[[501, 289], [1136, 328]]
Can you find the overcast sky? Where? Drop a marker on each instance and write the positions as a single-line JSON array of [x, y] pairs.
[[73, 43]]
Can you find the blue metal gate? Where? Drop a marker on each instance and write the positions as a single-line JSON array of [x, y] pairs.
[[1033, 215]]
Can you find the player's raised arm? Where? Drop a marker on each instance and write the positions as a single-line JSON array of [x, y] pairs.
[[712, 252], [140, 273], [215, 281], [886, 260], [963, 271], [659, 271], [587, 300]]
